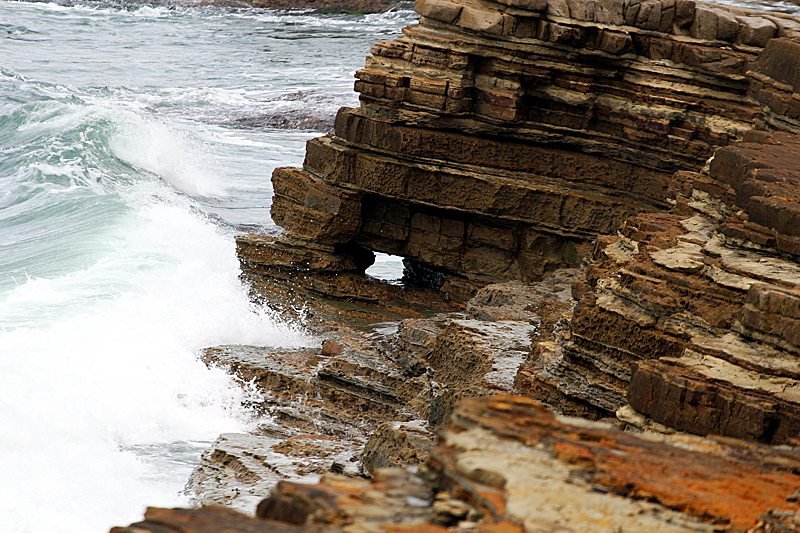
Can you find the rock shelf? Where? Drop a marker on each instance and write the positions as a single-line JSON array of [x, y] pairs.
[[506, 464]]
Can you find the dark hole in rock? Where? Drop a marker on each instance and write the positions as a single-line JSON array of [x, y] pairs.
[[416, 274]]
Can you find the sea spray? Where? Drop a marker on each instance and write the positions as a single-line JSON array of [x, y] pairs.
[[169, 153], [117, 278]]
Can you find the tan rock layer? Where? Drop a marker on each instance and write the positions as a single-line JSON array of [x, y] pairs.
[[532, 162]]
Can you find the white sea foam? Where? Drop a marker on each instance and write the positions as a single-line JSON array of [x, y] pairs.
[[101, 364], [151, 11], [310, 19], [169, 153]]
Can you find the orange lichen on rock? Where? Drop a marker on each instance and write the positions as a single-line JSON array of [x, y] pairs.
[[720, 481]]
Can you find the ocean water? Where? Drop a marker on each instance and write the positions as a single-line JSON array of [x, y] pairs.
[[135, 141]]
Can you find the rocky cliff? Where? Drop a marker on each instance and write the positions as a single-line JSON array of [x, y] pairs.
[[598, 203], [495, 141]]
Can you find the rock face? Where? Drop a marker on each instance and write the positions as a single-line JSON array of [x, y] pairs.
[[495, 140], [506, 464], [693, 318]]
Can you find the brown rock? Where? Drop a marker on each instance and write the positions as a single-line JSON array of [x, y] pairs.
[[396, 444], [495, 142], [476, 19], [684, 13], [505, 461], [772, 314], [438, 9], [756, 31], [332, 348], [518, 462], [704, 396], [649, 15], [668, 294], [582, 9], [705, 23], [779, 61], [309, 208], [210, 519], [395, 497], [787, 27]]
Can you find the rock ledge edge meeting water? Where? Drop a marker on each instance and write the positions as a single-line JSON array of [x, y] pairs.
[[599, 210]]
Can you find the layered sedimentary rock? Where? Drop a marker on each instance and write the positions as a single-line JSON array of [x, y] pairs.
[[321, 407], [693, 318], [507, 465], [742, 383], [366, 400], [501, 141], [494, 141]]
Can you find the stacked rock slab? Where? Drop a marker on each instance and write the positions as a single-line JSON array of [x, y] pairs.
[[495, 140], [694, 315], [362, 400], [507, 465], [743, 383]]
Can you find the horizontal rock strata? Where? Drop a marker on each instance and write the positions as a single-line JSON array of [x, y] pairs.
[[506, 464], [320, 407], [495, 140], [693, 316], [367, 400]]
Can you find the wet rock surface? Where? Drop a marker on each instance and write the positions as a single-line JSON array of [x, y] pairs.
[[370, 398]]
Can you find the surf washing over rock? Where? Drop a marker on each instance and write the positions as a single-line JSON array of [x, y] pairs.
[[128, 161]]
